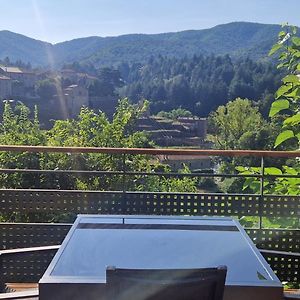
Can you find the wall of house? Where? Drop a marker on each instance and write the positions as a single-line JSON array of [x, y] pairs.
[[5, 88]]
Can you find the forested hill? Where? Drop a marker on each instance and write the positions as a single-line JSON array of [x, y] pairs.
[[239, 39], [199, 84]]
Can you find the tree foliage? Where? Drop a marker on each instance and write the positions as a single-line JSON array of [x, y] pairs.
[[90, 129], [240, 125], [174, 114], [287, 100], [288, 95], [200, 83], [46, 89]]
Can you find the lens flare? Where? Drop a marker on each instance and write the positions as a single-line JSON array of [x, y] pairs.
[[50, 58]]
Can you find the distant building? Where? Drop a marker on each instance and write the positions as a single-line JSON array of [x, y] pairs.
[[27, 78], [74, 77], [197, 125], [5, 87], [68, 74], [75, 97], [177, 162], [86, 80]]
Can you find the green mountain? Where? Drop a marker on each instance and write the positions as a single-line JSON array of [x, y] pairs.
[[239, 39], [20, 47]]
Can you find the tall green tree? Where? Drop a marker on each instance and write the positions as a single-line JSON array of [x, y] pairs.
[[240, 125]]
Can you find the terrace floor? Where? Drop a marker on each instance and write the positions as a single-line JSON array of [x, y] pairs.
[[30, 291]]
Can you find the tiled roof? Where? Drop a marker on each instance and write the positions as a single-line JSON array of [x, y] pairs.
[[11, 69]]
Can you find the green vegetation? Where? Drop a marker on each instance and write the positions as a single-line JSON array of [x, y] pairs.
[[286, 104], [175, 114], [107, 82], [88, 130], [46, 89], [240, 125], [199, 84]]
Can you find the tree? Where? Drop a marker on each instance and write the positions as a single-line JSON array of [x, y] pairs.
[[199, 84], [46, 89], [108, 81], [239, 125], [88, 130]]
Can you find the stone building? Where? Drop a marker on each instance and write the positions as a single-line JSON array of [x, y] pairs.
[[5, 87], [27, 78], [177, 162], [75, 96]]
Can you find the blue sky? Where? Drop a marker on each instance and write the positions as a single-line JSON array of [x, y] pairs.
[[60, 20]]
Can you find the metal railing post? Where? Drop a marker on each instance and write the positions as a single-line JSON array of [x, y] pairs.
[[2, 281], [124, 198], [261, 197]]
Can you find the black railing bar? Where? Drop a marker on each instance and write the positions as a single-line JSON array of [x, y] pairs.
[[172, 174], [284, 253], [134, 192], [261, 190], [149, 151], [9, 171], [120, 192]]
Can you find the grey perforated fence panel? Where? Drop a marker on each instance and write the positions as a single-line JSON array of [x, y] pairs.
[[25, 267], [281, 206], [286, 267], [22, 235], [29, 267], [276, 239], [50, 201]]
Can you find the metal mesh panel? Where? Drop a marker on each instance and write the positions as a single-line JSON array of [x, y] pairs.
[[128, 203], [22, 235], [147, 203], [276, 239], [281, 206], [32, 266], [286, 267], [51, 201], [191, 204], [25, 267]]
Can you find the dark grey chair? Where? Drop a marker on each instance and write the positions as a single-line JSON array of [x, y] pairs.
[[179, 284]]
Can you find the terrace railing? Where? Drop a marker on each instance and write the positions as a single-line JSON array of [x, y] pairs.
[[27, 248]]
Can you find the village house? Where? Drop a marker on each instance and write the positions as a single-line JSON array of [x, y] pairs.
[[194, 163], [196, 125], [75, 96], [5, 87], [68, 74], [74, 77], [27, 78]]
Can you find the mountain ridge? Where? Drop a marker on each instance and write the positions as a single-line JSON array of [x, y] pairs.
[[237, 39]]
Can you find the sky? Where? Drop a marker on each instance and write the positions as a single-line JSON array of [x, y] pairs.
[[60, 20]]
